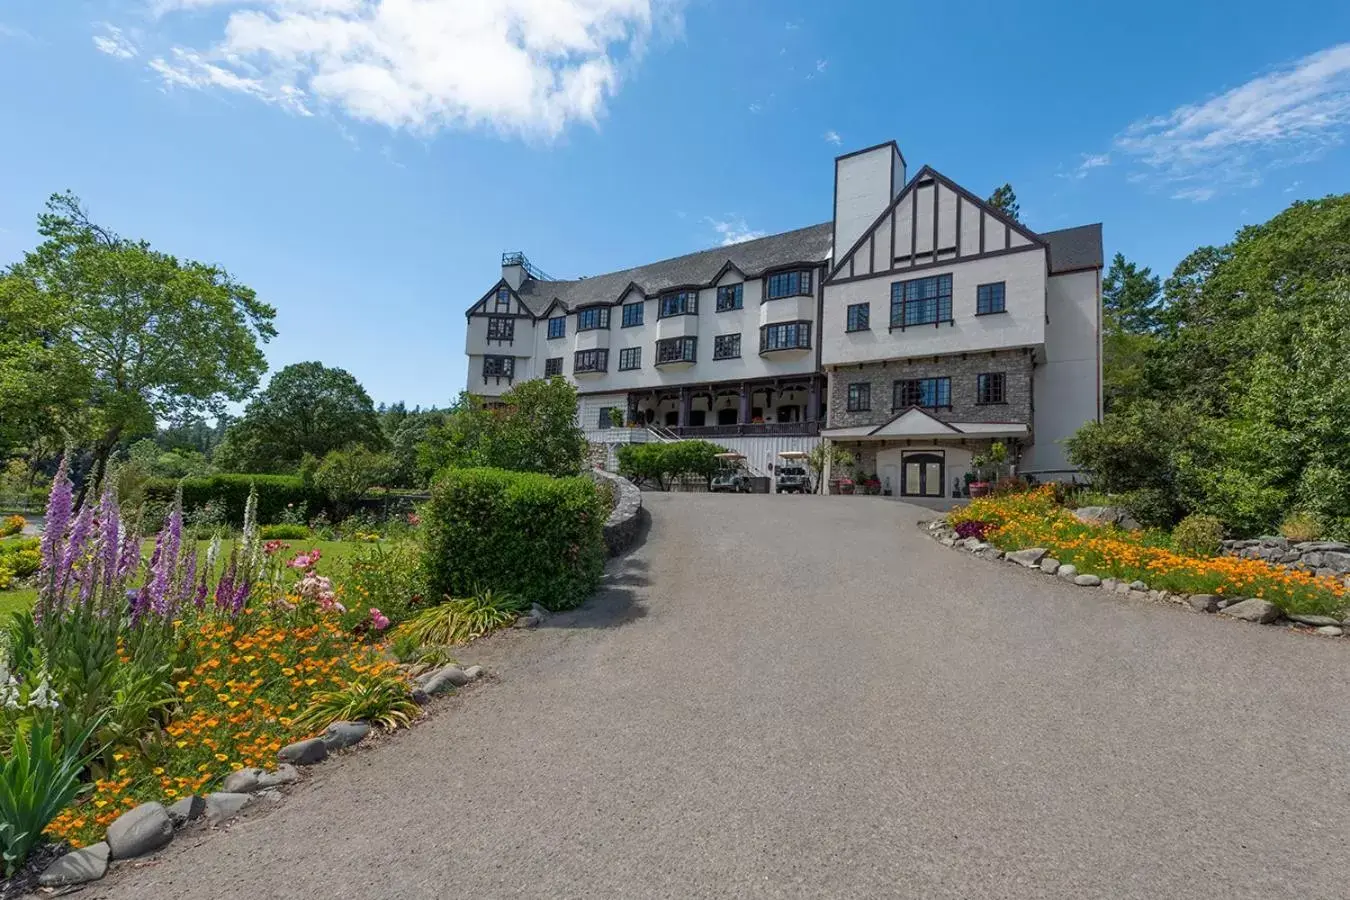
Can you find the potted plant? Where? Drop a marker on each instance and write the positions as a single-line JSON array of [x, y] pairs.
[[616, 417], [871, 484], [977, 479]]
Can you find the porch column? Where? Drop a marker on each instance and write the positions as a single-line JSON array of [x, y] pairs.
[[813, 401], [744, 417], [684, 407]]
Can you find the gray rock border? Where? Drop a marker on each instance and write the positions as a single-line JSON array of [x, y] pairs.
[[1034, 559], [625, 520], [150, 827]]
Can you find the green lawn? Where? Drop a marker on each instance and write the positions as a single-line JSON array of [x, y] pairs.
[[332, 553]]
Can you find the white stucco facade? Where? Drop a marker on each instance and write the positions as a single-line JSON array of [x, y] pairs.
[[1002, 328]]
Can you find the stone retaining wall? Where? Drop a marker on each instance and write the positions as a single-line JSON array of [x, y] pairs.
[[1327, 558], [625, 520]]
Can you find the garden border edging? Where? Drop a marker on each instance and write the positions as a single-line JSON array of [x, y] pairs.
[[1249, 609]]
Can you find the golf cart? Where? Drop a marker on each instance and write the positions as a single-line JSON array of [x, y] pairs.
[[731, 476], [791, 475]]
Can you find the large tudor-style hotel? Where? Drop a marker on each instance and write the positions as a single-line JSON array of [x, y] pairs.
[[915, 328]]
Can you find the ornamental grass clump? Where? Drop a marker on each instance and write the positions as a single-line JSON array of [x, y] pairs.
[[1032, 519]]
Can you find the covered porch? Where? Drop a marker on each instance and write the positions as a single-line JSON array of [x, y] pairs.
[[765, 407], [919, 458]]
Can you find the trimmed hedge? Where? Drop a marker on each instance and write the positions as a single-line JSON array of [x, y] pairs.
[[275, 492], [537, 537]]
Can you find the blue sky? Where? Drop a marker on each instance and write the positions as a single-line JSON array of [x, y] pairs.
[[362, 164]]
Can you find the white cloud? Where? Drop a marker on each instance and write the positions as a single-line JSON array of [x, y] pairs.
[[1292, 187], [1089, 162], [755, 107], [733, 230], [13, 31], [832, 137], [1284, 117], [821, 64], [1195, 194], [528, 67], [115, 43]]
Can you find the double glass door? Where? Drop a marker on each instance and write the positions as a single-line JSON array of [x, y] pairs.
[[922, 475]]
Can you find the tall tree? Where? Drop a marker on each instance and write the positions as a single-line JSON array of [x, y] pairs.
[[155, 338], [307, 408], [1004, 199], [1130, 302]]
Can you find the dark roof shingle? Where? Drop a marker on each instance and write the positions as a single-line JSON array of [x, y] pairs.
[[1077, 248], [753, 258]]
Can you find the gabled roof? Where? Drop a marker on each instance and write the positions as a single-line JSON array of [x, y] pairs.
[[915, 422], [751, 258]]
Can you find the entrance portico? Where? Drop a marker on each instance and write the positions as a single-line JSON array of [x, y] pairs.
[[788, 405], [915, 455]]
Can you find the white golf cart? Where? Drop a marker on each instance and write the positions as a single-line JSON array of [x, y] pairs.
[[791, 475], [731, 476]]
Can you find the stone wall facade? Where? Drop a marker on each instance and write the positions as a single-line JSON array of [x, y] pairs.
[[625, 519], [1328, 558], [963, 370]]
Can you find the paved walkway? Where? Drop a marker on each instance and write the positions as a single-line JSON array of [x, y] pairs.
[[804, 697]]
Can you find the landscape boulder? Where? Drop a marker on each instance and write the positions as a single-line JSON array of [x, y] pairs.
[[474, 672], [1106, 515], [304, 753], [1030, 557], [341, 735], [1253, 609], [1204, 602], [1331, 630], [77, 867], [1087, 580], [189, 809], [221, 807], [140, 831], [1049, 565], [1313, 620], [1068, 571]]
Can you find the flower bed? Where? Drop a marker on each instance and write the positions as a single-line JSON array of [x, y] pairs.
[[1032, 519]]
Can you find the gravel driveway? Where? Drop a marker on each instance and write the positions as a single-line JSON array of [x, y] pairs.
[[805, 697]]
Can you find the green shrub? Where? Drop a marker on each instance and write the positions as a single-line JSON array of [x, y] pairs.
[[11, 525], [660, 463], [1301, 526], [537, 537], [275, 493], [285, 532], [21, 557], [1198, 535], [1151, 507]]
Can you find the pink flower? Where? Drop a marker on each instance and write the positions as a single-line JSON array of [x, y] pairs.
[[414, 519], [378, 620], [272, 547], [305, 560]]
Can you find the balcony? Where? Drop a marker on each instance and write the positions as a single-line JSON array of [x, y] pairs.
[[764, 429]]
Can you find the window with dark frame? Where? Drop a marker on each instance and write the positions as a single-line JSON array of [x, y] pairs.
[[680, 303], [501, 328], [727, 346], [859, 396], [729, 297], [788, 284], [921, 301], [991, 387], [557, 327], [499, 367], [632, 314], [989, 298], [592, 318], [785, 336], [590, 361], [552, 366], [630, 358], [503, 299], [676, 349], [605, 422], [926, 393], [859, 316]]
